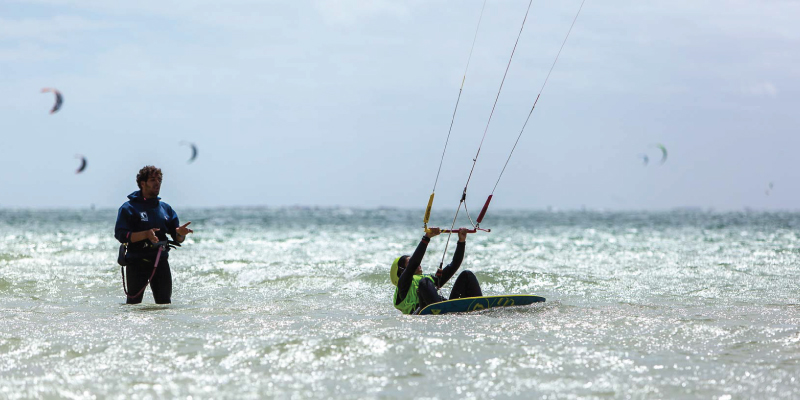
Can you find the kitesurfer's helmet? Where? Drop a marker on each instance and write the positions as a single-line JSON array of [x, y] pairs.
[[398, 266]]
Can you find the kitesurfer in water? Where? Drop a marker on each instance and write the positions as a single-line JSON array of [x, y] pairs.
[[142, 221], [415, 290]]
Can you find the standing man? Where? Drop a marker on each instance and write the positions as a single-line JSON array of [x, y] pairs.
[[143, 221]]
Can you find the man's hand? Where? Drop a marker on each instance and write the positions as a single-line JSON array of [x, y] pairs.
[[151, 235], [462, 234], [183, 230], [431, 232]]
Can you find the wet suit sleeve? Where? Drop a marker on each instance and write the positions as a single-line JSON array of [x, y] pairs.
[[451, 268], [123, 229], [408, 274], [173, 223]]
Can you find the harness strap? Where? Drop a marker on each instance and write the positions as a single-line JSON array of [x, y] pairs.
[[122, 271]]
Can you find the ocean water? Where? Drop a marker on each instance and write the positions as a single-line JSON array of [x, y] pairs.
[[295, 303]]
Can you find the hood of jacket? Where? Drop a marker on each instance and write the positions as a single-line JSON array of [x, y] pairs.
[[138, 198]]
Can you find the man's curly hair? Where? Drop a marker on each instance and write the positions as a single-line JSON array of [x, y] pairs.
[[145, 174]]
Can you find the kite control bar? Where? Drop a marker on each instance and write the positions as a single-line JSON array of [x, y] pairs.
[[468, 231], [477, 225], [456, 230]]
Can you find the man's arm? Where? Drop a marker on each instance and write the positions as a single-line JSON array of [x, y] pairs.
[[458, 257], [122, 230], [408, 274], [144, 235], [411, 268], [181, 232], [177, 231], [451, 268]]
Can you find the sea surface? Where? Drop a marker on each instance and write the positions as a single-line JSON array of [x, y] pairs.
[[295, 303]]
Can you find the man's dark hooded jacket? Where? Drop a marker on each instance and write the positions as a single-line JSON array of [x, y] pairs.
[[140, 214]]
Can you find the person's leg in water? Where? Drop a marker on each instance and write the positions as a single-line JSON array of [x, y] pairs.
[[139, 271], [427, 293], [466, 286], [161, 285]]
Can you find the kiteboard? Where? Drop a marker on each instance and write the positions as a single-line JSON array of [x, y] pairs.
[[479, 303]]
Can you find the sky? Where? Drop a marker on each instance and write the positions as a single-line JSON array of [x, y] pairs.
[[348, 103]]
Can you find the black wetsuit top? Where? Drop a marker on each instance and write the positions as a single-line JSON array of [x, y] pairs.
[[140, 214]]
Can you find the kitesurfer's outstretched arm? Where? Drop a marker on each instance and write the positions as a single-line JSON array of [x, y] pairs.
[[413, 263], [458, 257]]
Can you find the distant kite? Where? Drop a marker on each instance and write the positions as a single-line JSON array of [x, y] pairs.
[[83, 163], [663, 153], [644, 158], [194, 151], [769, 189], [59, 99]]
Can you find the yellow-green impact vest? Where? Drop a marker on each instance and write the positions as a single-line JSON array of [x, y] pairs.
[[411, 302]]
